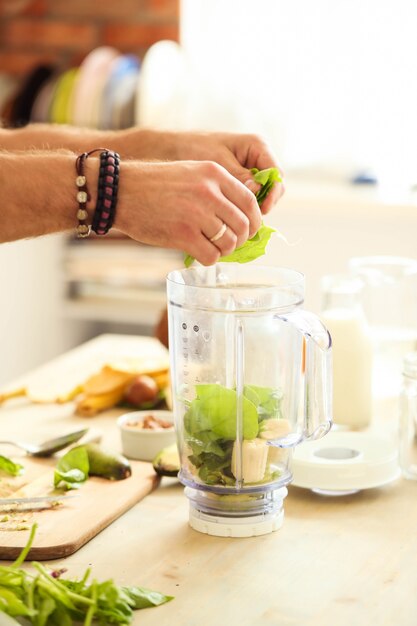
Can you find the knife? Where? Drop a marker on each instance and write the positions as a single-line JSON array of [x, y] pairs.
[[34, 502]]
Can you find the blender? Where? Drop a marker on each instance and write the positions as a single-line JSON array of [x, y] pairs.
[[251, 379]]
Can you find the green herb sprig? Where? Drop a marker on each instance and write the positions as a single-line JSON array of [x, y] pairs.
[[11, 468], [44, 600]]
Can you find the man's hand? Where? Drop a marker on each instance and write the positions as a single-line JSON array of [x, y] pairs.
[[237, 153], [183, 205]]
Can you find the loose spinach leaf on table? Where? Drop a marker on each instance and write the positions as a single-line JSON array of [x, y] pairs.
[[43, 600], [72, 469], [11, 468]]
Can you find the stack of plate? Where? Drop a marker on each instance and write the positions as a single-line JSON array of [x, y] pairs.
[[106, 91]]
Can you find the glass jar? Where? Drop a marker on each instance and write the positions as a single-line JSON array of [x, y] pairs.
[[408, 418], [343, 315], [389, 300]]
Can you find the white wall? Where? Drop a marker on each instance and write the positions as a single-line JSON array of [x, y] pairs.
[[31, 328], [328, 82], [327, 223]]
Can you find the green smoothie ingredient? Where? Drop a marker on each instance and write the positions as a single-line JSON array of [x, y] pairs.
[[252, 467], [44, 598], [211, 434], [256, 246], [11, 468], [167, 462], [80, 462], [267, 178]]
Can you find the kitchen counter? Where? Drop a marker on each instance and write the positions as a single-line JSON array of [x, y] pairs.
[[335, 562]]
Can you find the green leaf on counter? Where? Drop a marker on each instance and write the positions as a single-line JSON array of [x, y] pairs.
[[11, 604], [90, 460], [11, 468], [143, 598], [254, 247], [72, 469], [45, 599]]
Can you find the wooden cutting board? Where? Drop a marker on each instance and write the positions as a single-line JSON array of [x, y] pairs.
[[64, 529]]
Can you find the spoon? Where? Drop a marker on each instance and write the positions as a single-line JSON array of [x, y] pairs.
[[47, 448]]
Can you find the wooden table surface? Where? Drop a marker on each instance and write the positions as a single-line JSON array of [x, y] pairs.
[[335, 562]]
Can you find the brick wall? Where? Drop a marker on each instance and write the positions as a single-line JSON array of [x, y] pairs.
[[64, 31]]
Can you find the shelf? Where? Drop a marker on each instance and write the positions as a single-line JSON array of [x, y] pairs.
[[144, 312]]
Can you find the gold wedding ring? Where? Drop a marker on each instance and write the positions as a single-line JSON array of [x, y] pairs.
[[219, 233]]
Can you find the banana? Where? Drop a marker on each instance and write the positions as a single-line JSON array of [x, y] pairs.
[[274, 428], [254, 457], [89, 406], [71, 395]]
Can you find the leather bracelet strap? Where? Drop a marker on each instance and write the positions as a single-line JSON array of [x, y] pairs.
[[108, 185], [83, 195]]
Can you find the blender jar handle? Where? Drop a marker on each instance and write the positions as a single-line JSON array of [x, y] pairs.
[[318, 372]]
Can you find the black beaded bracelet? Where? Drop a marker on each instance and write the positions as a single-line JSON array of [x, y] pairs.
[[108, 184]]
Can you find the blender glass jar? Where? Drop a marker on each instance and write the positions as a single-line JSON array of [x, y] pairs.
[[389, 299], [251, 378]]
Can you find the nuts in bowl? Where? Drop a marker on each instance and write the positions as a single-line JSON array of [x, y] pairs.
[[145, 433]]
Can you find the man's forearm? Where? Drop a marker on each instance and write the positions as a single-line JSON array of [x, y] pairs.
[[39, 193], [130, 143]]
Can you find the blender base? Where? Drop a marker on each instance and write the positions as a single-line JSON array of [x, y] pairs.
[[237, 526]]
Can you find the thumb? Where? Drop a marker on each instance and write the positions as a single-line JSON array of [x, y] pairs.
[[243, 174], [250, 184]]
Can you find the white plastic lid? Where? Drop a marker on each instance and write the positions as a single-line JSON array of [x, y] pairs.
[[343, 462], [251, 526]]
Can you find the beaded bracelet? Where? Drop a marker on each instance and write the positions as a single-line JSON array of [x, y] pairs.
[[83, 195], [108, 184]]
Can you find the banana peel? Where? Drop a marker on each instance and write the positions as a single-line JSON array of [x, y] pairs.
[[106, 389], [89, 406], [107, 381], [149, 366], [103, 390], [14, 393], [71, 395]]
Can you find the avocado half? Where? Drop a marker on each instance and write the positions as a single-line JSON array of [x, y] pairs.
[[167, 462], [106, 463]]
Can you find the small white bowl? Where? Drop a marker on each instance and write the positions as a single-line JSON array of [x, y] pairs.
[[143, 444]]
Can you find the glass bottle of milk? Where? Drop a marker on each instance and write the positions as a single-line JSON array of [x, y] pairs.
[[343, 315]]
